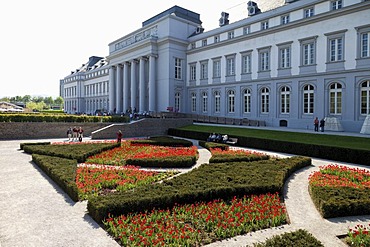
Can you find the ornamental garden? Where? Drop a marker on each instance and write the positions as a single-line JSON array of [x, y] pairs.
[[152, 192]]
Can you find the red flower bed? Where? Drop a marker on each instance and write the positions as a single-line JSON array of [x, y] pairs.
[[340, 176], [196, 224]]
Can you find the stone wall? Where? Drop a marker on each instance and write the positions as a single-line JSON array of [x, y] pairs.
[[141, 128], [42, 130]]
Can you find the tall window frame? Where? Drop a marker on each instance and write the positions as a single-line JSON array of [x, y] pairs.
[[178, 68], [204, 70], [193, 102], [363, 43], [285, 100], [193, 72], [308, 51], [231, 101], [247, 96], [177, 101], [264, 59], [204, 102], [217, 98], [308, 99], [230, 65], [265, 100], [335, 98], [365, 98], [217, 68], [246, 63]]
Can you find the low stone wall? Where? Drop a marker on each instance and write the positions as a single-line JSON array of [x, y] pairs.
[[141, 128], [41, 130]]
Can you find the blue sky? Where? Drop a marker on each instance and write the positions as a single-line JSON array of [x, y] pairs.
[[43, 41]]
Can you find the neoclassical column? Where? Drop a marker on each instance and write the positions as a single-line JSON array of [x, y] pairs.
[[142, 85], [133, 84], [119, 89], [152, 92], [112, 98], [126, 86]]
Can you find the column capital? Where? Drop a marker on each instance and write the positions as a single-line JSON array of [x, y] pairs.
[[135, 60], [152, 55]]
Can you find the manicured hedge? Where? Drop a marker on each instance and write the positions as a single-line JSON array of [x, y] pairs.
[[209, 145], [175, 162], [208, 182], [338, 202], [62, 171], [348, 155], [299, 238], [33, 143], [79, 152], [32, 117]]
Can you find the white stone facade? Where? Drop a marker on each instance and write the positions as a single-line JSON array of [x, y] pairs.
[[302, 59]]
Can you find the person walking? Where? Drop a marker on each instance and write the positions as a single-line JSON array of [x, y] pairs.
[[119, 136], [69, 133], [322, 124], [316, 124]]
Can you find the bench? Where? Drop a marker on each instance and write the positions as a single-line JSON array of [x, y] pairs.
[[232, 141]]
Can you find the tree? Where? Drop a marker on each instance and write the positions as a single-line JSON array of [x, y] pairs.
[[59, 101]]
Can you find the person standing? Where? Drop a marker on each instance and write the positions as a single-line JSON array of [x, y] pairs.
[[322, 124], [119, 136], [80, 134], [69, 133], [316, 124]]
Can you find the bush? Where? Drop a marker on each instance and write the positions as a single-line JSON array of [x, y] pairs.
[[299, 238], [61, 171], [164, 141]]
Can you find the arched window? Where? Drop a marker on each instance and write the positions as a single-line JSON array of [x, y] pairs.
[[204, 102], [265, 100], [365, 98], [308, 99], [193, 102], [217, 101], [247, 100], [285, 100], [335, 98], [231, 101], [177, 101]]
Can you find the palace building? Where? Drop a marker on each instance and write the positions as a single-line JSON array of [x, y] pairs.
[[285, 63]]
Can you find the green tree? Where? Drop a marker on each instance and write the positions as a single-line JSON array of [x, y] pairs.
[[59, 101]]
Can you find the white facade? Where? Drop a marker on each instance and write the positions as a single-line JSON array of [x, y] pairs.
[[285, 66]]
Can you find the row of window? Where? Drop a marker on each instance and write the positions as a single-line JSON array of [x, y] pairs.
[[97, 88], [307, 50], [308, 99], [285, 19], [97, 73]]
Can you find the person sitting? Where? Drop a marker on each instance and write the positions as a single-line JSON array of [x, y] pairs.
[[218, 138], [225, 138], [213, 137]]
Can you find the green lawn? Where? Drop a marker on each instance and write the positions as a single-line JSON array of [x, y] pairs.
[[314, 138]]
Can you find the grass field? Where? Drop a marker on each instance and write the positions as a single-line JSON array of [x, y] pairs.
[[314, 138]]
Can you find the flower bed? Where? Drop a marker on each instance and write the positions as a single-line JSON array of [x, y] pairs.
[[146, 155], [220, 155], [340, 191], [100, 179], [196, 224], [359, 236]]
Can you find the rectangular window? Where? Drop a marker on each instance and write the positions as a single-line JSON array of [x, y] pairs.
[[230, 66], [246, 30], [204, 42], [264, 25], [264, 61], [193, 46], [217, 103], [193, 72], [217, 39], [308, 12], [285, 19], [365, 45], [308, 54], [178, 68], [285, 57], [336, 49], [230, 35], [217, 68], [337, 4], [246, 64], [204, 71]]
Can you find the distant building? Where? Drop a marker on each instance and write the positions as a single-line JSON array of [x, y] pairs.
[[9, 107], [285, 63]]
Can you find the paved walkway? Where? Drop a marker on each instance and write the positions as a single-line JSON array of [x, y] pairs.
[[34, 211]]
